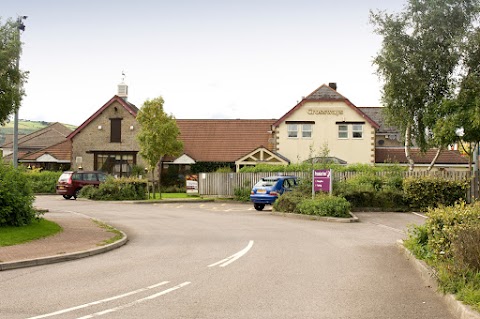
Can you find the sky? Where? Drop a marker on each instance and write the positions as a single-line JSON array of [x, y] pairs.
[[208, 59]]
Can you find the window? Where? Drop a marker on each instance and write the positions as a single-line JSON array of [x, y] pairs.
[[117, 164], [292, 130], [357, 131], [307, 130], [115, 130], [343, 131]]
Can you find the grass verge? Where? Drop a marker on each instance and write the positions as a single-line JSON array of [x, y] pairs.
[[42, 228], [174, 196], [117, 234]]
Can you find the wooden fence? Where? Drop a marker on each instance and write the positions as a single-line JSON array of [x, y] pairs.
[[224, 184]]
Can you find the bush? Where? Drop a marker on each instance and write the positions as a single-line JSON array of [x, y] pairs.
[[16, 197], [445, 224], [289, 202], [325, 205], [174, 189], [449, 242], [242, 194], [43, 182], [432, 192], [116, 189]]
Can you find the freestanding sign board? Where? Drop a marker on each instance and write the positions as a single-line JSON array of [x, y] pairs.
[[322, 181]]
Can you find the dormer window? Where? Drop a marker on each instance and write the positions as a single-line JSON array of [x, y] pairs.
[[116, 130]]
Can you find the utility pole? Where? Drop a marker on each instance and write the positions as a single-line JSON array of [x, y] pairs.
[[20, 27]]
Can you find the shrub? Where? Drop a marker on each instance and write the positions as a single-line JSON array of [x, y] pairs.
[[243, 193], [444, 225], [117, 189], [289, 201], [174, 189], [43, 182], [325, 205], [465, 247], [16, 197], [432, 192]]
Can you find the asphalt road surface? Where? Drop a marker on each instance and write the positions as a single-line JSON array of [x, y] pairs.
[[217, 260]]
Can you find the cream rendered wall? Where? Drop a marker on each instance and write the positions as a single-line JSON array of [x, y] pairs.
[[325, 132], [90, 138]]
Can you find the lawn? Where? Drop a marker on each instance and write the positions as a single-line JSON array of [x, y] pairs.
[[10, 235]]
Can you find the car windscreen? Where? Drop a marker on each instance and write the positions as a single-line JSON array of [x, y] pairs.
[[102, 177], [266, 183]]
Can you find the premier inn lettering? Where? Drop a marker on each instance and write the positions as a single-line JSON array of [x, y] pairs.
[[324, 112]]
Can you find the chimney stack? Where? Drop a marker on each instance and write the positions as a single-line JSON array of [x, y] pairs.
[[333, 85]]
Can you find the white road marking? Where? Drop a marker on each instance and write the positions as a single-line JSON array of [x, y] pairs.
[[227, 261], [136, 302], [420, 215], [100, 301], [388, 227]]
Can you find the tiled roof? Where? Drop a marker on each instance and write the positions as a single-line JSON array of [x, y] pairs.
[[223, 140], [376, 114], [397, 155], [42, 138], [61, 151], [326, 93]]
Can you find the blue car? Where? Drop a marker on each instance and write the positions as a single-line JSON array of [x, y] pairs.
[[267, 190]]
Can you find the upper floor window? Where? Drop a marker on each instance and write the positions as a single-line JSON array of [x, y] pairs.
[[343, 131], [115, 130], [307, 130], [292, 130], [357, 131]]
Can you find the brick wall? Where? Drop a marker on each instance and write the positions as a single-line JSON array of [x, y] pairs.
[[94, 138]]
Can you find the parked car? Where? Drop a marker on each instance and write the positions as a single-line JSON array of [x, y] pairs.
[[71, 182], [267, 190]]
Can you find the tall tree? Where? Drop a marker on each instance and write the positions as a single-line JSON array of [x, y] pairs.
[[418, 61], [11, 77], [158, 136], [462, 113]]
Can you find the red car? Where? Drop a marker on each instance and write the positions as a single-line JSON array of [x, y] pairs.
[[70, 183]]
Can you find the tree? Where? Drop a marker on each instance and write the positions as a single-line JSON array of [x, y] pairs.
[[158, 136], [418, 61], [11, 77], [462, 113]]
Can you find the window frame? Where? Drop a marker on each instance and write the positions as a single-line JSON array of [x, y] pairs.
[[357, 131], [345, 131], [289, 130], [310, 131], [116, 130]]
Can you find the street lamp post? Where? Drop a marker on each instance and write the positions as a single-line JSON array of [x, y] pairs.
[[20, 27]]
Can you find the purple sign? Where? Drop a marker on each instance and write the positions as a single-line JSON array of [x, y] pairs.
[[322, 180]]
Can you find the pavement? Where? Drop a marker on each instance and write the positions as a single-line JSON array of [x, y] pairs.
[[81, 237]]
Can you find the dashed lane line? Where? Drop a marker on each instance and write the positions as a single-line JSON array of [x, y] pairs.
[[59, 312]]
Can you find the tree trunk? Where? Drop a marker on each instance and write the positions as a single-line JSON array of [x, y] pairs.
[[160, 177], [440, 149], [153, 181], [411, 163]]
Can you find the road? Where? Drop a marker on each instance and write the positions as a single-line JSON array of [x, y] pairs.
[[226, 261]]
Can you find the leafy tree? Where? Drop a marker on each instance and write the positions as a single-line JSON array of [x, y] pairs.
[[11, 78], [158, 136], [463, 112], [418, 61]]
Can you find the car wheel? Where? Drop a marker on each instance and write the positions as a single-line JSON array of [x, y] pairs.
[[259, 206], [67, 196], [77, 193]]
